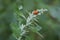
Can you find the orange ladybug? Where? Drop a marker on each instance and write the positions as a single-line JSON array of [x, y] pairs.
[[35, 12]]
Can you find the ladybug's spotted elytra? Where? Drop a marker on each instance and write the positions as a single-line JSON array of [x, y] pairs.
[[35, 12]]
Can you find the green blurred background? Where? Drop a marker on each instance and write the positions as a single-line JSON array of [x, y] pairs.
[[10, 18]]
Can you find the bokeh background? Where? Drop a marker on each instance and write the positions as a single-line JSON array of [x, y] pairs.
[[47, 24]]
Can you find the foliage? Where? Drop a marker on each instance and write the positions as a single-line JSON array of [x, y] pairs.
[[13, 13]]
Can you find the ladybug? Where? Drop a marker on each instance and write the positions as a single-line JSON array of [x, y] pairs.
[[35, 12]]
